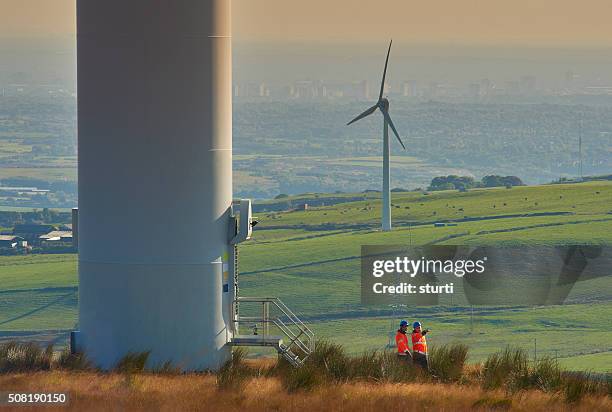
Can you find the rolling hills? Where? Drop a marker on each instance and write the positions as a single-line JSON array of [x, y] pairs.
[[310, 259]]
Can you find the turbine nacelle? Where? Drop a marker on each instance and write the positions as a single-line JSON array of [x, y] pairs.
[[383, 104]]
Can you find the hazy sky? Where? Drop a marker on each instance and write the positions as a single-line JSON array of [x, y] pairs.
[[510, 22]]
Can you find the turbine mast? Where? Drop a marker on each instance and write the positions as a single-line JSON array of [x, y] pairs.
[[386, 192], [580, 147], [383, 105]]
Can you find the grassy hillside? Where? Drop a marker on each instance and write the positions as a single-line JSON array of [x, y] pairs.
[[586, 199], [310, 259]]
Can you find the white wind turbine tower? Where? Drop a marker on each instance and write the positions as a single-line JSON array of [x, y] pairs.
[[383, 106]]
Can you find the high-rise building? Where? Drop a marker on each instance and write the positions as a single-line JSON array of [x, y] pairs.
[[264, 90], [409, 88]]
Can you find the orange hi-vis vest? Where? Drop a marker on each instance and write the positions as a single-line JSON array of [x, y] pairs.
[[401, 340], [419, 343]]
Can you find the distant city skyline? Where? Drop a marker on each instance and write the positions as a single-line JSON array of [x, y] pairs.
[[339, 50], [333, 71], [564, 23]]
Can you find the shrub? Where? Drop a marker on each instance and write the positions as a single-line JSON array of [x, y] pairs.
[[367, 366], [507, 367], [546, 375], [132, 362], [332, 359], [304, 378], [446, 362], [24, 357], [396, 371], [281, 367], [167, 368], [577, 384], [510, 368], [73, 361], [235, 372], [327, 363]]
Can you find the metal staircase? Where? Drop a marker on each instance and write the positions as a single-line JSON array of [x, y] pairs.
[[282, 329]]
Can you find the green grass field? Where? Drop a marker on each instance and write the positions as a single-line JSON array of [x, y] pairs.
[[39, 292], [596, 362], [58, 171], [314, 267], [29, 209], [585, 199]]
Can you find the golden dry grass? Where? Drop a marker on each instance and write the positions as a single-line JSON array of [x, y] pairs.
[[97, 391]]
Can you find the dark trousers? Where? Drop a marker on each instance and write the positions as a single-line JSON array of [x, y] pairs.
[[420, 360], [406, 359]]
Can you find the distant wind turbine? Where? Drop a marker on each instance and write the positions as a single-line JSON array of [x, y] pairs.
[[580, 147], [383, 106]]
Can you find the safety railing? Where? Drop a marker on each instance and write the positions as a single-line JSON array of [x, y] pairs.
[[272, 316]]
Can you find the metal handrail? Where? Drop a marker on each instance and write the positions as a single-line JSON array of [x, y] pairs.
[[295, 339], [265, 320], [284, 328], [280, 305]]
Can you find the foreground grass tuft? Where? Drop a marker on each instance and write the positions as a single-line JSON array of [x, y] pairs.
[[24, 357], [167, 368], [493, 404], [508, 367], [330, 364], [73, 361], [331, 359], [546, 375], [306, 378], [369, 366], [576, 385], [234, 373], [133, 362], [446, 362]]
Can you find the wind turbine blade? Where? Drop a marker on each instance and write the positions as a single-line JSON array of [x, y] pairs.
[[364, 114], [382, 85], [394, 129]]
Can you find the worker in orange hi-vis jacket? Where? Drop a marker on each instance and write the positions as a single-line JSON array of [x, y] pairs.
[[401, 341], [419, 346]]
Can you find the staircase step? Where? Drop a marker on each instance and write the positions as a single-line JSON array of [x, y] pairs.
[[300, 340], [256, 340]]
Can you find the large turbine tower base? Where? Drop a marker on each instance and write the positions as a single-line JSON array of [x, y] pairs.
[[155, 180]]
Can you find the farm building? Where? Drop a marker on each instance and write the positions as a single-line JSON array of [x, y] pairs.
[[12, 242], [66, 227], [29, 230], [32, 232], [56, 236]]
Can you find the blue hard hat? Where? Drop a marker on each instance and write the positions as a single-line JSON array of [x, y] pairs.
[[403, 323], [416, 325]]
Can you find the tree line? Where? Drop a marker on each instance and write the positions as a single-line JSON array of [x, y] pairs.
[[454, 182]]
